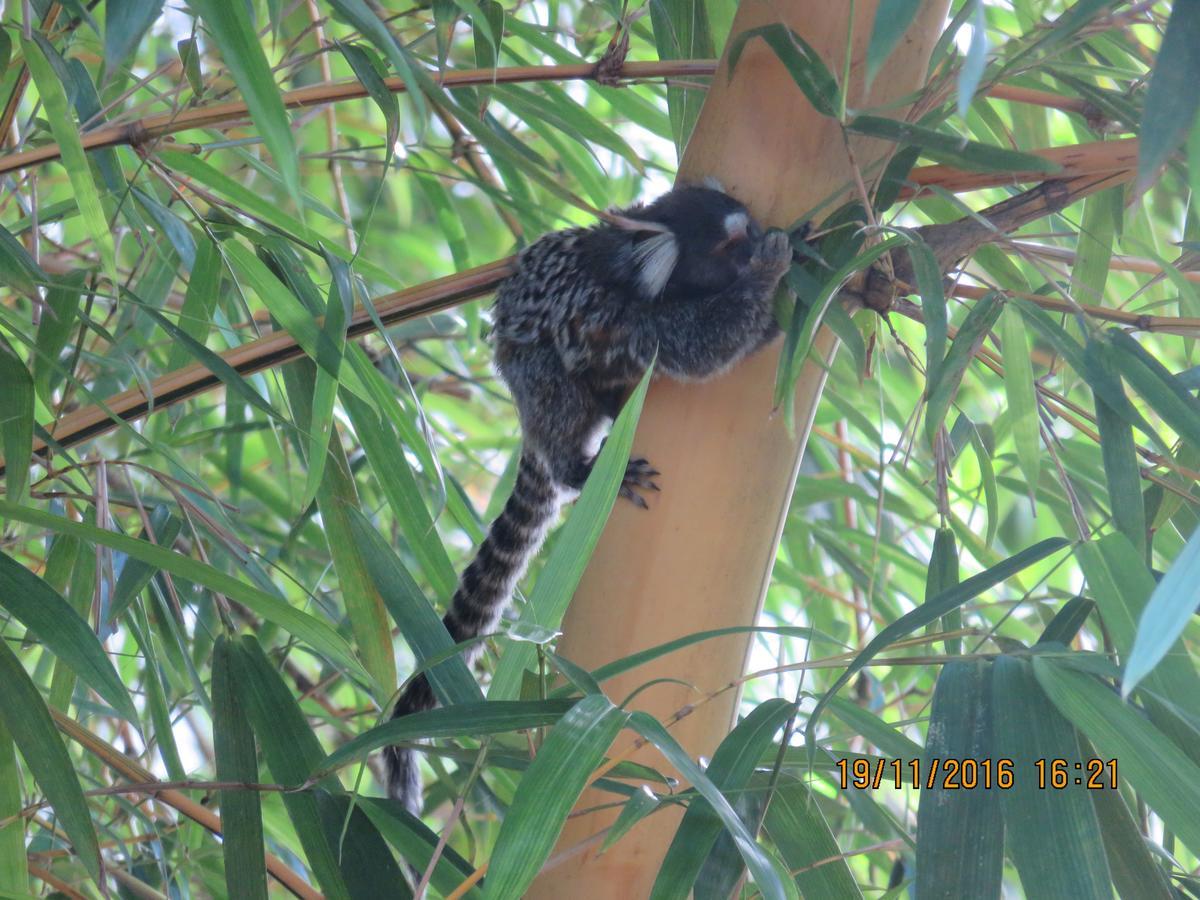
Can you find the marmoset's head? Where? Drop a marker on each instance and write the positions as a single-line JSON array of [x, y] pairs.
[[690, 242]]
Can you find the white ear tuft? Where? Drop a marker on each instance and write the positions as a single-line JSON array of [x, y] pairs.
[[655, 258], [712, 183]]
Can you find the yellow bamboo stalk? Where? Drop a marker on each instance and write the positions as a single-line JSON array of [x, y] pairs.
[[701, 557]]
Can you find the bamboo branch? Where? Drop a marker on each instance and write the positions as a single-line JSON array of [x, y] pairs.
[[178, 801], [1098, 157], [162, 124], [950, 243]]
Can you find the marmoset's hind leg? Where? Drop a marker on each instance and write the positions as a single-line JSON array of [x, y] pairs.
[[562, 418]]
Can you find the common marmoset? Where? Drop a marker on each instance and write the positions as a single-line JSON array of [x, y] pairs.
[[689, 277]]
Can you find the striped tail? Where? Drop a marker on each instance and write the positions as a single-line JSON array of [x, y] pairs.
[[483, 593]]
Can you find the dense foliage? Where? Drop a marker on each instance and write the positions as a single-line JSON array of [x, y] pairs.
[[233, 494]]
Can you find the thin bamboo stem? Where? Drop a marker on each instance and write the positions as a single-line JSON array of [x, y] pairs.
[[177, 800], [162, 124]]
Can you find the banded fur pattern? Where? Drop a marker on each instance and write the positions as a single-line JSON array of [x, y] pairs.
[[483, 593]]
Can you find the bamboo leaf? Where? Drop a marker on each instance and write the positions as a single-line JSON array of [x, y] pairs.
[[313, 631], [547, 792], [233, 32], [960, 833], [1168, 613], [1028, 728], [64, 633], [766, 877], [1021, 393], [1172, 100], [16, 420], [74, 160], [892, 19], [931, 611], [241, 811], [731, 767], [803, 63], [490, 717], [14, 875], [1152, 764], [943, 386], [24, 715], [950, 149]]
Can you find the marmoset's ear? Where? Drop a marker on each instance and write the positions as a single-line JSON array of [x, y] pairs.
[[656, 258]]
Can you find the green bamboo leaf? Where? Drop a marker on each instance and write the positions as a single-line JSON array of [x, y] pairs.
[[973, 66], [189, 58], [124, 25], [14, 874], [1158, 770], [417, 844], [682, 31], [74, 160], [931, 611], [200, 300], [337, 500], [1101, 214], [943, 575], [233, 32], [799, 340], [135, 574], [1122, 473], [1028, 728], [1157, 385], [58, 321], [548, 791], [1136, 872], [241, 811], [1121, 583], [17, 268], [950, 149], [23, 713], [320, 636], [363, 18], [943, 386], [960, 833], [1172, 100], [359, 866], [573, 547], [1021, 393], [892, 19], [228, 375], [395, 477], [63, 632], [933, 304], [730, 769], [462, 719], [766, 876], [1067, 621], [16, 420], [799, 831], [420, 625], [803, 63], [1168, 613], [320, 422]]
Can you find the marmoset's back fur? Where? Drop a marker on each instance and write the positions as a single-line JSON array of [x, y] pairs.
[[690, 277]]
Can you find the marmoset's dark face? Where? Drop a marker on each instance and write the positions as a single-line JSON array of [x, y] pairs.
[[707, 242]]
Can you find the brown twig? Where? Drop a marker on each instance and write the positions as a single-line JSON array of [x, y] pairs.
[[178, 801], [162, 124]]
